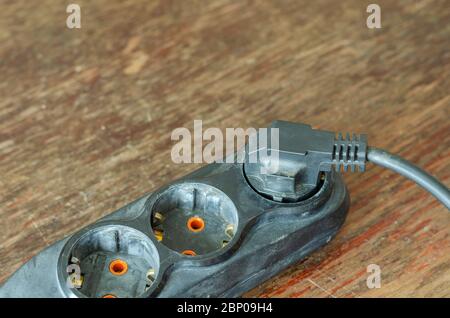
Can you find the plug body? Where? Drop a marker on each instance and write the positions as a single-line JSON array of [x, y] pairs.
[[302, 154]]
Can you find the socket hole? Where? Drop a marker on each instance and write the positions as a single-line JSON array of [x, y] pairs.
[[196, 224], [189, 253], [118, 267]]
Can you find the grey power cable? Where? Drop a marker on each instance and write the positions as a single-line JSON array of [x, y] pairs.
[[410, 171]]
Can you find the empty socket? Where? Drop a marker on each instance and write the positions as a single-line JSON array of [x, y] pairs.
[[114, 261], [194, 219]]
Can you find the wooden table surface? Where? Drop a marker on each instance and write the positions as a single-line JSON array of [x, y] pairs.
[[86, 117]]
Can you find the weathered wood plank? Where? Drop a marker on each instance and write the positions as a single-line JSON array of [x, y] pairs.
[[86, 117]]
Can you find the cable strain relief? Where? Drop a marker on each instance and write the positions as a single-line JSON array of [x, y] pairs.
[[349, 152]]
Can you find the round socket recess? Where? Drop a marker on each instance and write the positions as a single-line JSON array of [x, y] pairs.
[[113, 261], [194, 219]]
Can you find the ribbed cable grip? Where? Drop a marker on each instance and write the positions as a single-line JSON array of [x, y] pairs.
[[349, 152]]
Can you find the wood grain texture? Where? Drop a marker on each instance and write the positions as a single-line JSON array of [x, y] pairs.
[[86, 117]]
